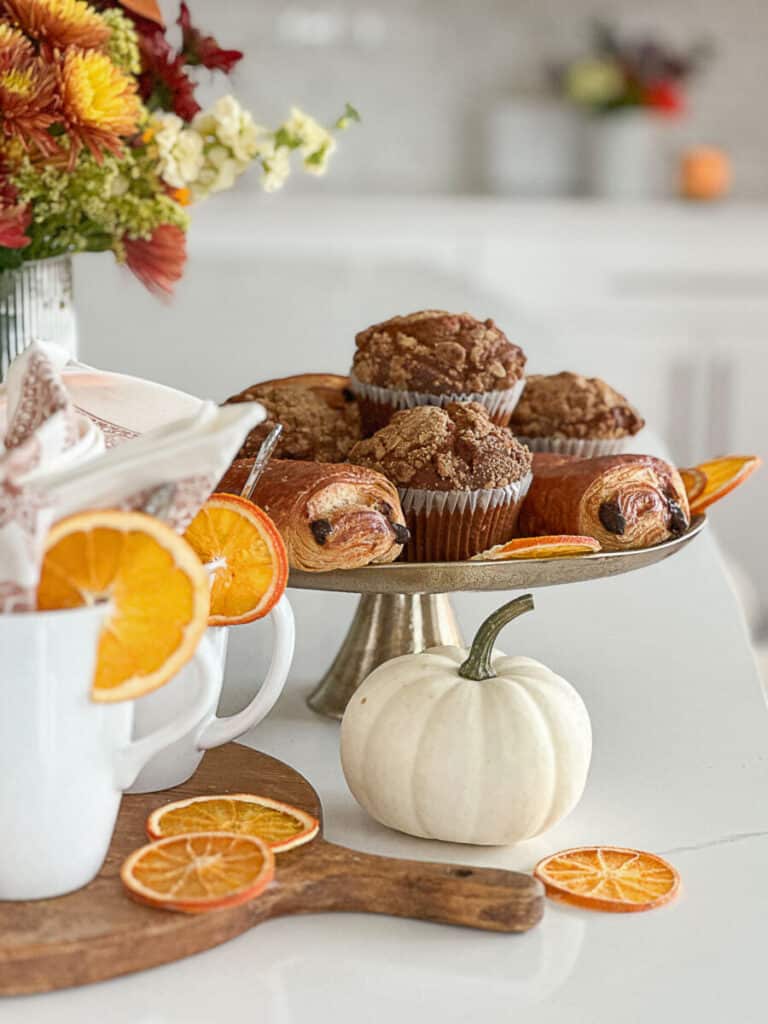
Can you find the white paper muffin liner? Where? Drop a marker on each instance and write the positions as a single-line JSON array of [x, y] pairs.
[[451, 526], [585, 448], [378, 405]]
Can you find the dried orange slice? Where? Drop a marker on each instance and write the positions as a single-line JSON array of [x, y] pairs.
[[154, 583], [281, 826], [608, 878], [241, 547], [694, 481], [560, 546], [199, 872], [722, 476]]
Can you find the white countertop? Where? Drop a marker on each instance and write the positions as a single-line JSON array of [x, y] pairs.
[[680, 767]]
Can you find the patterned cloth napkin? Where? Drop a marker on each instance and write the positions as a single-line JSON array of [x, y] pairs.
[[168, 471], [42, 429]]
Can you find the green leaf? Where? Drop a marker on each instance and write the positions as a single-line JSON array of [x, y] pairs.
[[317, 159], [350, 114]]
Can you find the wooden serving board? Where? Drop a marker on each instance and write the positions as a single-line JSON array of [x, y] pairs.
[[98, 932]]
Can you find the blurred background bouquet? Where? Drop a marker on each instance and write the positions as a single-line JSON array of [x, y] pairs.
[[103, 145], [622, 74]]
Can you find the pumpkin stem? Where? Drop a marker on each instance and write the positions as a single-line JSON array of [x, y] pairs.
[[478, 664]]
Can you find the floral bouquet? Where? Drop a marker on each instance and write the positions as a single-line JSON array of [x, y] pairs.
[[103, 145], [625, 73]]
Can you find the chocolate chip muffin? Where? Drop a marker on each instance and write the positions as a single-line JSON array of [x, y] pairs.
[[432, 358], [318, 414], [574, 415], [461, 478]]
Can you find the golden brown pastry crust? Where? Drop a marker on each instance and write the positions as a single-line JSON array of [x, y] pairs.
[[330, 516], [317, 411], [623, 501]]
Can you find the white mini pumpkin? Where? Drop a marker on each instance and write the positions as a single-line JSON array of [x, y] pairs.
[[466, 747]]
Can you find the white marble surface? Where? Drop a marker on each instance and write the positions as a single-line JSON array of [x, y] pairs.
[[680, 767]]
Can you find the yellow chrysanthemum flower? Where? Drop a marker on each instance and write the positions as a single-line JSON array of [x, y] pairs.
[[59, 23], [99, 101]]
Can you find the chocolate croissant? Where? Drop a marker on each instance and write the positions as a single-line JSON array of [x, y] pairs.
[[623, 501], [317, 411], [331, 516]]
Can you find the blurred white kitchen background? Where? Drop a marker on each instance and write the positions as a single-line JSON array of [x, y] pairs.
[[629, 243]]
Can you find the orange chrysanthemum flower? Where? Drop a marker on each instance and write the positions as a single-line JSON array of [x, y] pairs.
[[27, 100], [99, 102], [14, 43], [158, 262], [59, 23]]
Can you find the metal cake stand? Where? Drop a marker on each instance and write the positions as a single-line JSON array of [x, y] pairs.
[[404, 607]]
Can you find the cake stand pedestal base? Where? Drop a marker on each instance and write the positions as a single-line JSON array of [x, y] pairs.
[[384, 626]]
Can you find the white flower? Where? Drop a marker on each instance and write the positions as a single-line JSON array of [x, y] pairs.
[[226, 122], [276, 169], [310, 135], [166, 129], [314, 141], [180, 149], [317, 162]]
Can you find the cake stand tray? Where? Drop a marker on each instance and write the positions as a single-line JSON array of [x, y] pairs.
[[404, 607]]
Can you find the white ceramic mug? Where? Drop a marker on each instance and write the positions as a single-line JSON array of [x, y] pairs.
[[178, 762], [65, 759]]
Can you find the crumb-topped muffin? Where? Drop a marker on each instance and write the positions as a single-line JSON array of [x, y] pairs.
[[574, 415], [320, 424], [461, 478], [433, 357]]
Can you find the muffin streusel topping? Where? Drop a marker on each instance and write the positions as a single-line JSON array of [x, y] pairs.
[[445, 449], [437, 353], [311, 429], [569, 405]]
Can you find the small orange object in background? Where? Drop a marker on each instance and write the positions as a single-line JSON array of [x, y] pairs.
[[608, 878], [705, 173]]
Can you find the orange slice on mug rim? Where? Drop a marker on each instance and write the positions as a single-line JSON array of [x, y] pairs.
[[199, 872], [245, 555], [610, 878], [153, 583], [281, 826]]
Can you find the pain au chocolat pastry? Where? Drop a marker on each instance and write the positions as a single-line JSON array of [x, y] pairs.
[[623, 501], [317, 411], [330, 516]]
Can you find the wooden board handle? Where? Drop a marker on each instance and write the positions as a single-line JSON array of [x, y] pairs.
[[340, 879]]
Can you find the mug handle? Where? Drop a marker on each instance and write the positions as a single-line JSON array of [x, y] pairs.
[[136, 754], [221, 730]]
